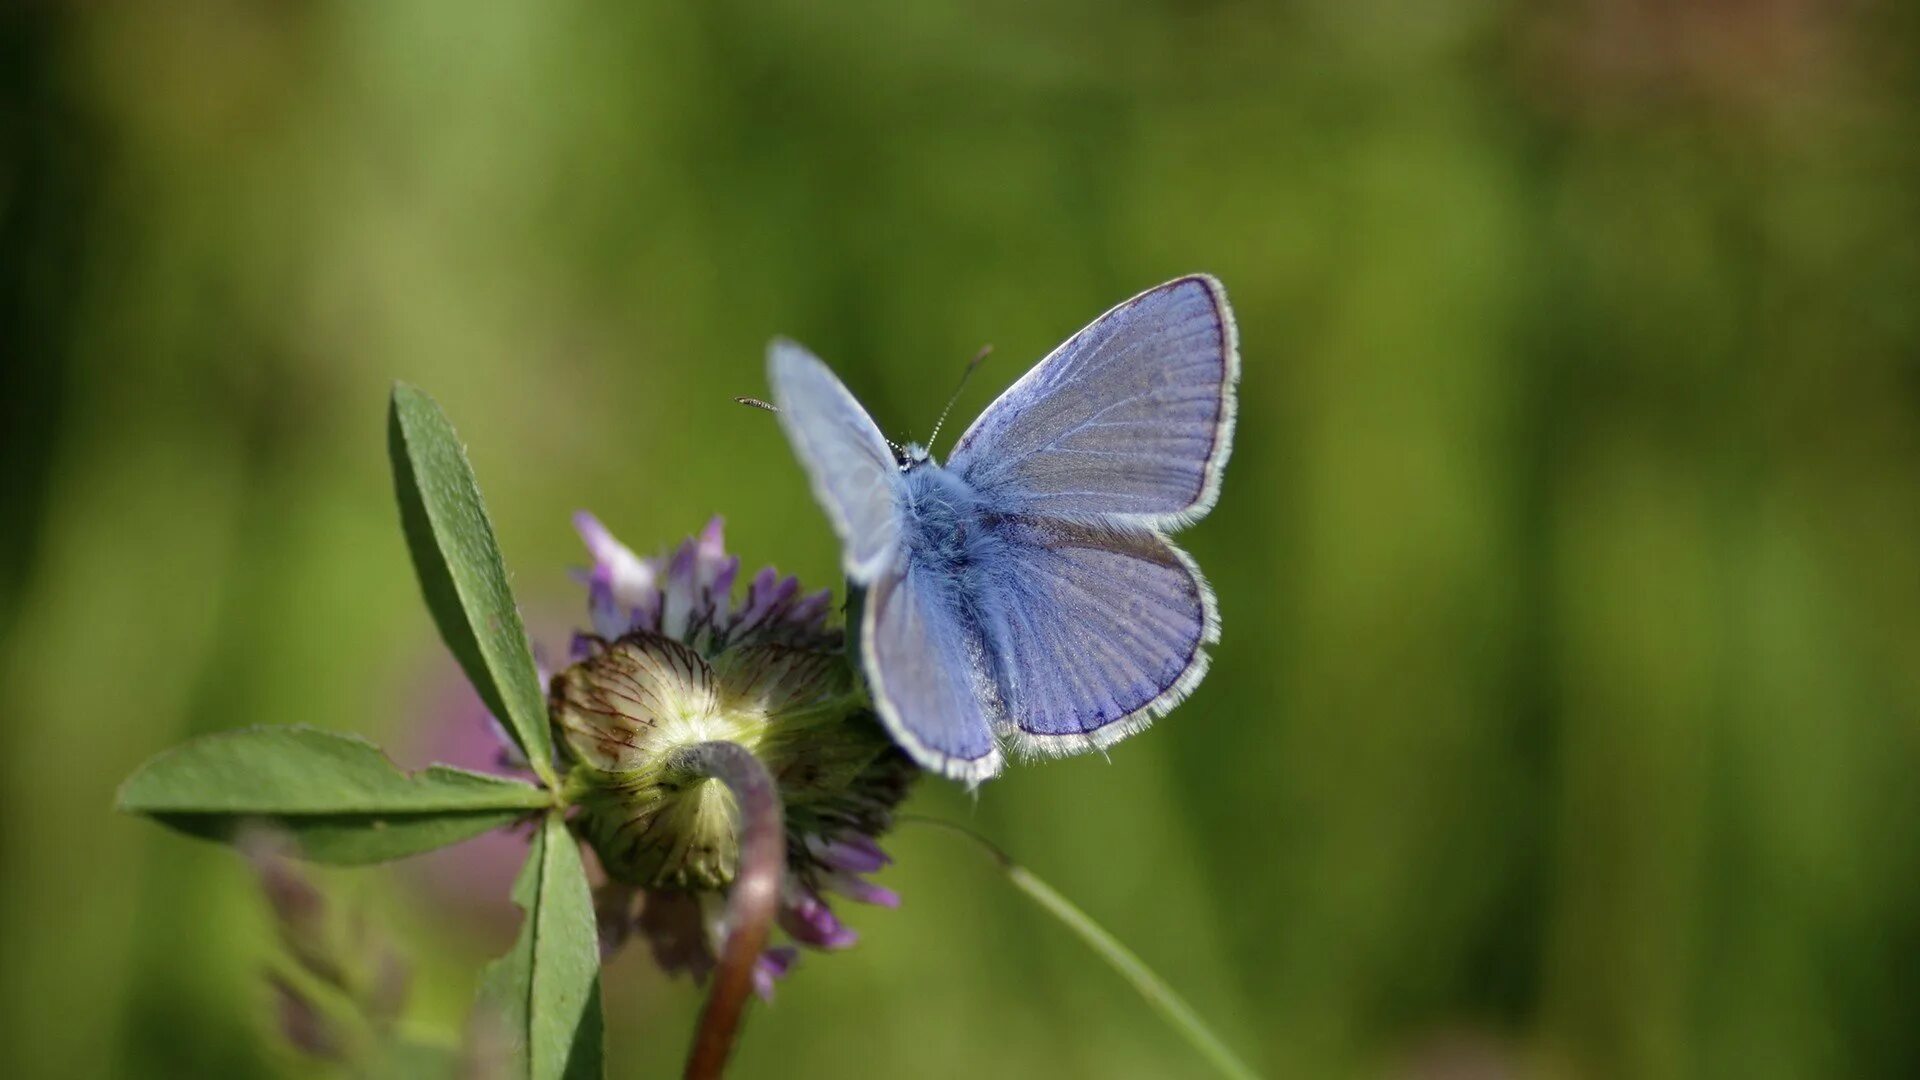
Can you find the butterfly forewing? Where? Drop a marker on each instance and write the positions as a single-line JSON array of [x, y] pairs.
[[852, 469], [1130, 420]]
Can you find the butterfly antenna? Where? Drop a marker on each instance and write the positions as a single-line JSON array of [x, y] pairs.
[[964, 375], [756, 403]]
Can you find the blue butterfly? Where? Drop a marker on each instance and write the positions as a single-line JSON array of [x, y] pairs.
[[1026, 591]]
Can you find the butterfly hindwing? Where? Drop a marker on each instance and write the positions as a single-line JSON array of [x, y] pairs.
[[1096, 631], [854, 475], [1130, 420], [924, 670]]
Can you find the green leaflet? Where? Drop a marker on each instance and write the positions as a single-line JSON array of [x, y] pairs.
[[461, 574], [351, 839], [544, 996], [338, 796]]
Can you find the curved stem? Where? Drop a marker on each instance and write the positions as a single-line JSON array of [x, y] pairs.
[[750, 903], [1171, 1006]]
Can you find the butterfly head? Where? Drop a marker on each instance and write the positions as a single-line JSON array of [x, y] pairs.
[[911, 456]]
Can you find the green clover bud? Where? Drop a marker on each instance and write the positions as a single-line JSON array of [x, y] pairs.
[[676, 664]]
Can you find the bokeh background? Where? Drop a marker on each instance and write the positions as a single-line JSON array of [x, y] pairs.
[[1568, 712]]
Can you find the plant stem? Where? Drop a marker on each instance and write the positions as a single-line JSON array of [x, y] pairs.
[[750, 903], [1171, 1006]]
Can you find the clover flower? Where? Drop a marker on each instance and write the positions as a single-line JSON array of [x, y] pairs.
[[673, 661]]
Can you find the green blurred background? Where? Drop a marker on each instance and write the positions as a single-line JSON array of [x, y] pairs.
[[1565, 719]]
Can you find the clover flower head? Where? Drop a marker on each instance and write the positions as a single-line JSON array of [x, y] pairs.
[[675, 659]]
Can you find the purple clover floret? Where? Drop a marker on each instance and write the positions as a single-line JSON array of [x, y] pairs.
[[687, 595], [807, 919], [851, 852], [772, 967], [674, 658]]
